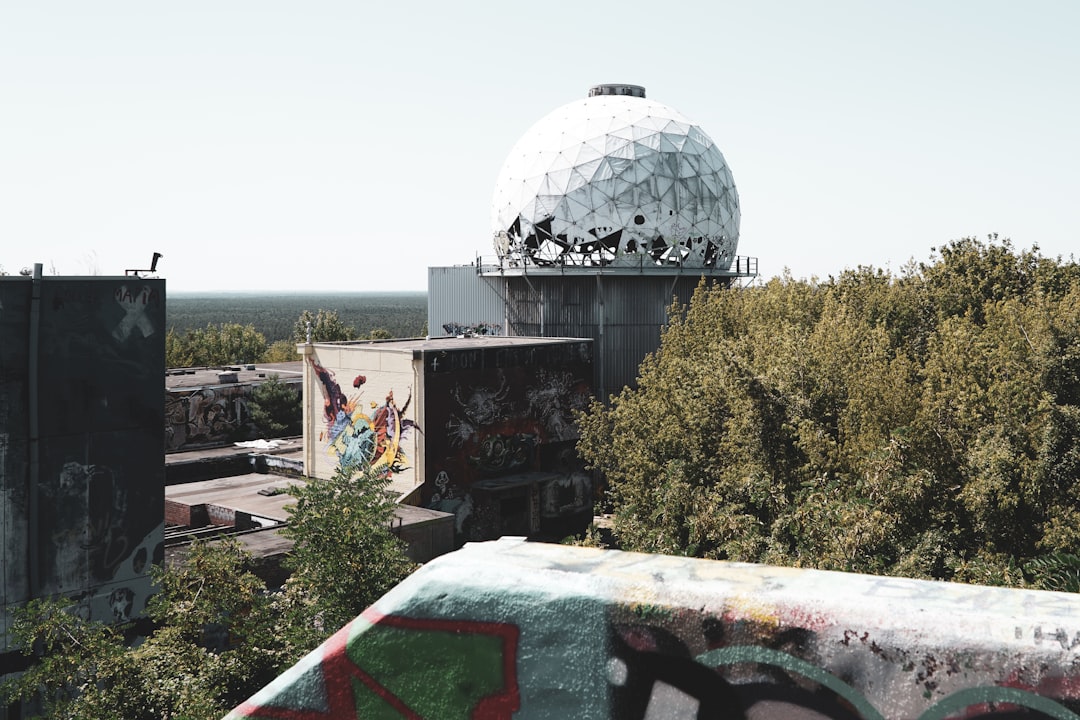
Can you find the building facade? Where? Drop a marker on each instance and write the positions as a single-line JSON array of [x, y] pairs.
[[480, 427], [81, 451]]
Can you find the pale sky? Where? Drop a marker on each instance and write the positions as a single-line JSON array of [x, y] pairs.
[[347, 146]]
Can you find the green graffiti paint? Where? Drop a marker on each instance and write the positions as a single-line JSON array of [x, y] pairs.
[[434, 668], [961, 699], [766, 656]]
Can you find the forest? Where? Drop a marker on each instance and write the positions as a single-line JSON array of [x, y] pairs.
[[401, 314], [924, 423]]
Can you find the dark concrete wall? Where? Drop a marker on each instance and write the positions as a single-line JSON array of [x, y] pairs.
[[81, 447], [499, 441]]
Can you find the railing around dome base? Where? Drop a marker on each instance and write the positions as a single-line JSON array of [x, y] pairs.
[[637, 264]]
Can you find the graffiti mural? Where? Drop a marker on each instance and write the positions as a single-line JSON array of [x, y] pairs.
[[468, 329], [80, 521], [534, 630], [497, 447], [370, 668], [370, 438], [505, 461], [206, 416]]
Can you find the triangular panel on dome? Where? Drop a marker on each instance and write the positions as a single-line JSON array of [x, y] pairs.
[[587, 154], [597, 126], [613, 144], [674, 127], [652, 121], [649, 139], [546, 204], [642, 172], [627, 151], [575, 206], [562, 160], [555, 182], [663, 184], [699, 137], [589, 169], [622, 132], [529, 212], [603, 170], [531, 185], [694, 145], [599, 193], [536, 166], [670, 143]]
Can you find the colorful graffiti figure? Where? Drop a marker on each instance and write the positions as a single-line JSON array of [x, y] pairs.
[[372, 440], [363, 440]]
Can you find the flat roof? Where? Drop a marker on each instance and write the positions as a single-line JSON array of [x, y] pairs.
[[451, 342], [180, 378]]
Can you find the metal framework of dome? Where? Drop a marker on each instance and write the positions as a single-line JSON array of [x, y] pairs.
[[616, 179]]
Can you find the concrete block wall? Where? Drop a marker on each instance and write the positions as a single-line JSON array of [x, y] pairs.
[[510, 629]]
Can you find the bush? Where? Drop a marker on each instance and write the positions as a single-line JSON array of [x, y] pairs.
[[276, 408]]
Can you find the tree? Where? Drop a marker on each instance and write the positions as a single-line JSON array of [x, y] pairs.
[[280, 351], [215, 345], [218, 640], [379, 334], [276, 408], [325, 325], [219, 633], [923, 425], [344, 554]]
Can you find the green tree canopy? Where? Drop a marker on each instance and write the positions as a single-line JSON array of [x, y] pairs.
[[925, 424], [220, 634], [345, 555], [276, 408], [216, 345], [326, 326]]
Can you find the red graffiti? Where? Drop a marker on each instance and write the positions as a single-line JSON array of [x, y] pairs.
[[344, 678]]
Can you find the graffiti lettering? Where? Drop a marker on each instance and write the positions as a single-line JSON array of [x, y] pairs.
[[1060, 636], [135, 317]]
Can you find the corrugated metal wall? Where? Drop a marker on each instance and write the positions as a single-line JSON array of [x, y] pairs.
[[459, 297], [623, 314]]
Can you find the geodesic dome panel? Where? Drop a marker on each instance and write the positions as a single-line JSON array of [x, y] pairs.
[[616, 179]]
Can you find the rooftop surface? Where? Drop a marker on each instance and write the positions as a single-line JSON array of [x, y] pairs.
[[454, 343], [181, 378]]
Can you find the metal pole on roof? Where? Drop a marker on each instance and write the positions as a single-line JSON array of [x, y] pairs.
[[33, 378]]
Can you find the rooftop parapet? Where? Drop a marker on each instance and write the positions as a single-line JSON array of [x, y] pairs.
[[529, 630]]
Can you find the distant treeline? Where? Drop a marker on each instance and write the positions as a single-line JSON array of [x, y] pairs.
[[400, 314]]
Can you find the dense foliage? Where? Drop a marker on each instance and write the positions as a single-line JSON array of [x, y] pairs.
[[399, 314], [220, 634], [276, 408], [335, 553], [323, 326], [925, 424], [229, 343], [215, 345]]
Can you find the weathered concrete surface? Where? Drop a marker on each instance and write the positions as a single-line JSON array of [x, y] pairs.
[[526, 630]]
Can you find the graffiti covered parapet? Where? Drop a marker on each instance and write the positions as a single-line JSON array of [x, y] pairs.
[[528, 630]]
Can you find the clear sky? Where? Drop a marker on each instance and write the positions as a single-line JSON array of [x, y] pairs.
[[343, 145]]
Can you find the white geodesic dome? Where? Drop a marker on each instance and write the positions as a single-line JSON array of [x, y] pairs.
[[616, 179]]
